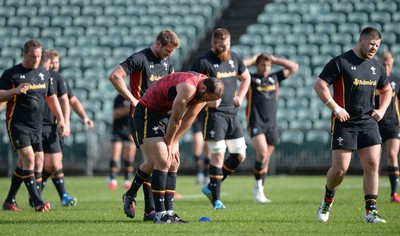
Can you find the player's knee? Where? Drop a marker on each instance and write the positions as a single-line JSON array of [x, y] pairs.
[[237, 146], [216, 146]]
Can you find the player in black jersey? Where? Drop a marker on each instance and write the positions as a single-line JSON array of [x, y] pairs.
[[26, 87], [389, 125], [144, 68], [121, 143], [222, 127], [53, 161], [355, 75], [262, 99]]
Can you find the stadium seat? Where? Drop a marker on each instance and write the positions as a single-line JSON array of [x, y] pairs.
[[79, 51], [100, 51], [71, 62], [196, 20], [70, 10], [262, 48], [306, 92], [111, 10], [358, 17], [321, 59], [39, 21], [61, 21], [49, 11], [92, 10], [389, 6], [250, 39], [257, 28], [87, 41], [349, 27], [284, 50], [286, 92], [296, 103], [300, 124], [30, 32], [295, 39], [317, 143], [280, 28], [342, 38], [150, 20], [380, 17], [242, 50], [18, 41], [275, 7], [330, 49], [65, 41], [291, 145], [18, 22], [180, 9], [308, 49], [111, 41], [328, 28], [318, 39], [109, 21], [334, 17], [92, 62], [322, 124], [136, 10], [51, 32], [391, 27], [344, 7], [5, 42], [120, 30], [298, 7], [367, 7], [203, 10], [80, 3], [27, 11], [76, 31], [83, 21], [7, 11], [6, 62], [96, 30], [301, 59], [13, 52], [303, 28], [320, 8], [268, 18]]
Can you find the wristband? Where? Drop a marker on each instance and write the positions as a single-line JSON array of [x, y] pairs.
[[330, 100], [337, 110]]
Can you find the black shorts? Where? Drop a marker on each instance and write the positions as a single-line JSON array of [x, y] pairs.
[[121, 135], [270, 131], [21, 138], [198, 124], [352, 137], [51, 141], [220, 126], [389, 132], [148, 124]]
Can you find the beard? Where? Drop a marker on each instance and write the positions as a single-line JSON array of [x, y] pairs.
[[224, 55]]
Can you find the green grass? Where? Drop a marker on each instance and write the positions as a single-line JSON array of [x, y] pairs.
[[292, 212]]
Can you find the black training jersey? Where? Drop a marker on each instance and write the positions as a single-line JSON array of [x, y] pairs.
[[354, 82], [123, 122], [262, 96], [392, 115], [60, 88], [144, 69], [210, 65], [25, 111]]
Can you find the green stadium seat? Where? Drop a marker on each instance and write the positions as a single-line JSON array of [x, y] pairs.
[[79, 51], [296, 103], [318, 39], [268, 18], [111, 41], [51, 32], [344, 7], [301, 59], [83, 21], [35, 3], [70, 10], [136, 10], [80, 3], [92, 10], [30, 32], [308, 49], [317, 143], [367, 7], [111, 10], [180, 9], [72, 73], [308, 114], [27, 11], [250, 39], [150, 20], [49, 11], [65, 41], [293, 82], [297, 7], [18, 41], [61, 21], [46, 42], [14, 52], [358, 17], [380, 17], [334, 17], [284, 50], [92, 62], [96, 30], [109, 21], [311, 19], [126, 20], [171, 19], [284, 114], [7, 11], [102, 3], [87, 41], [280, 28], [257, 28], [342, 38], [349, 27], [303, 28], [275, 7], [306, 92], [320, 8], [290, 147], [331, 49], [242, 50], [300, 124], [203, 10], [286, 92], [375, 25], [321, 59], [71, 62], [100, 51], [76, 31], [295, 39], [325, 113], [197, 21], [6, 62], [389, 6], [328, 28], [57, 3], [39, 21], [4, 42], [391, 27], [18, 22], [322, 124], [261, 49]]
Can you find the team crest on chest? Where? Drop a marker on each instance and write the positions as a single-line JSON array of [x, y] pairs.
[[373, 69], [41, 76], [231, 63]]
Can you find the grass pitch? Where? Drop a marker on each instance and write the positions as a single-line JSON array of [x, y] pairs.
[[292, 212]]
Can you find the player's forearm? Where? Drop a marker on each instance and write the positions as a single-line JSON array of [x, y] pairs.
[[64, 103], [55, 107], [77, 107]]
